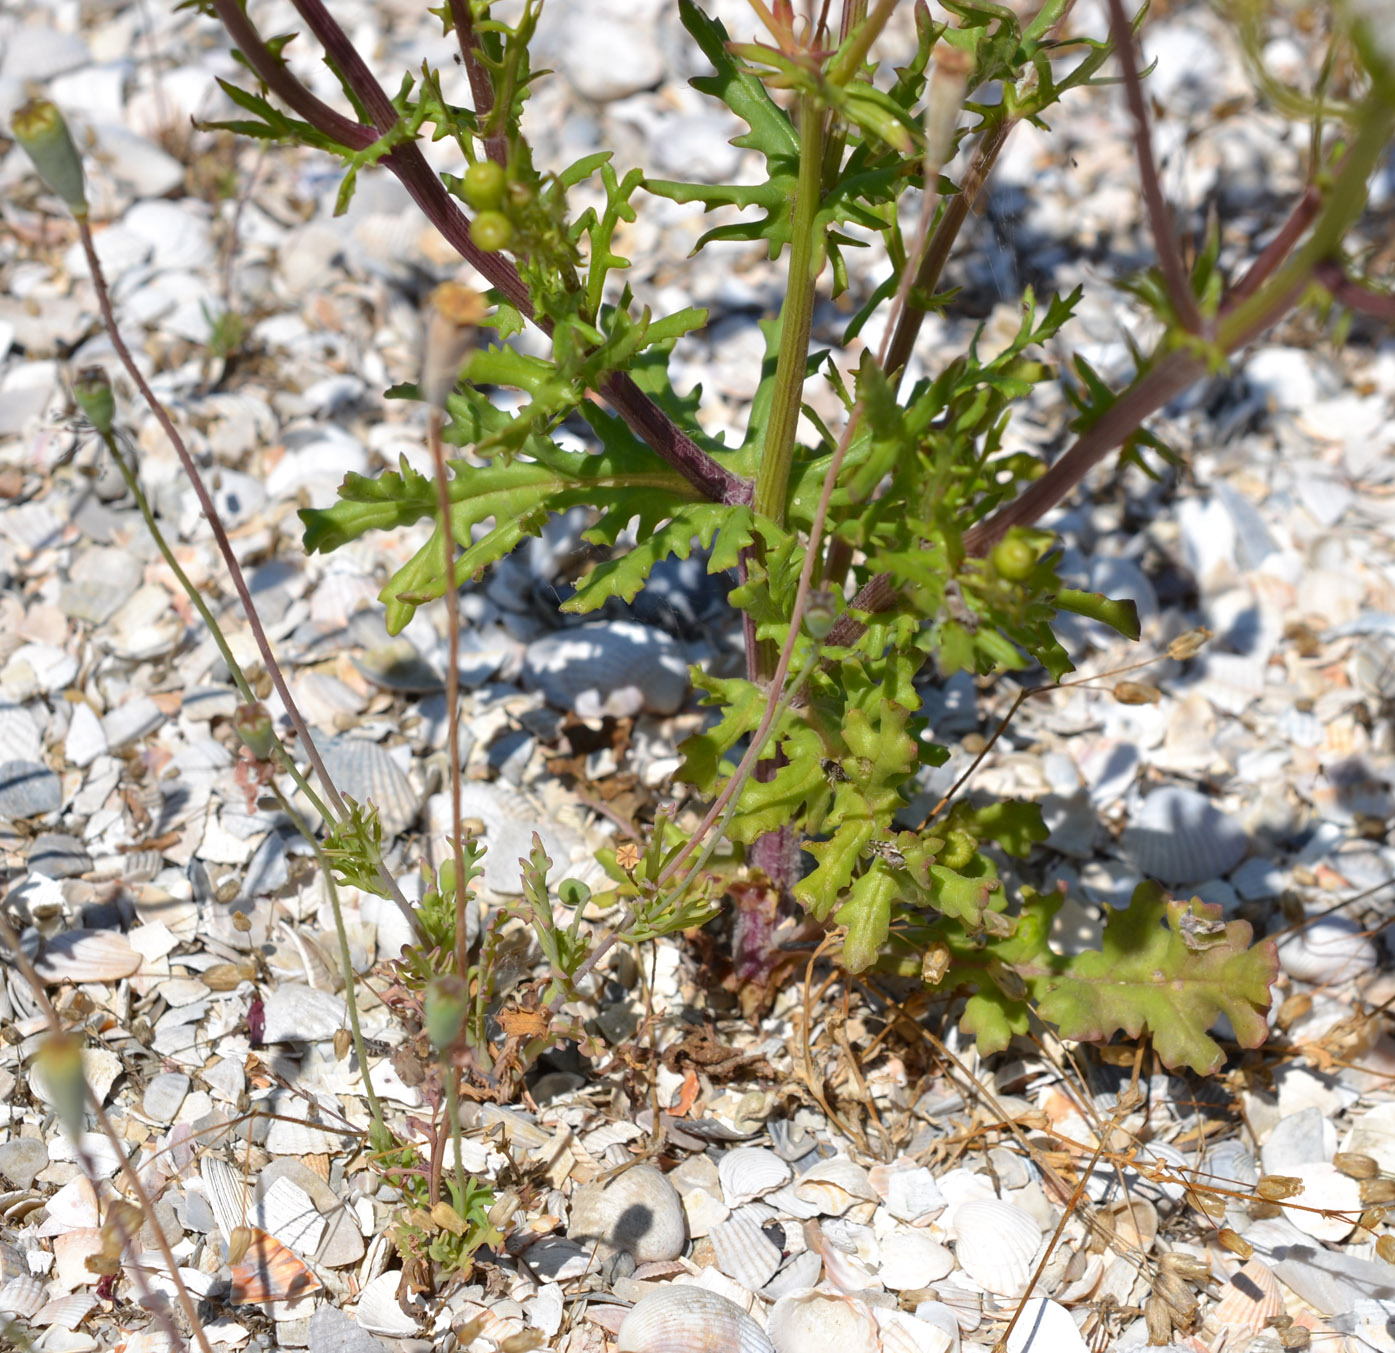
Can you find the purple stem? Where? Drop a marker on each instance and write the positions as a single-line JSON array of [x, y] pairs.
[[1379, 305], [1174, 272], [481, 86], [644, 418]]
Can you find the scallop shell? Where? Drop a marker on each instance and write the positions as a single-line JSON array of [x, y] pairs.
[[744, 1252], [21, 1296], [296, 1013], [750, 1172], [1325, 1187], [679, 1319], [1247, 1303], [836, 1186], [87, 956], [1180, 836], [613, 667], [997, 1245], [1330, 949], [802, 1271], [66, 1312], [637, 1211], [821, 1322], [287, 1212], [1045, 1327], [364, 771]]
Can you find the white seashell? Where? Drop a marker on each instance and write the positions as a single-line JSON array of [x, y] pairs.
[[835, 1186], [901, 1332], [681, 1319], [87, 956], [296, 1013], [57, 855], [1326, 1188], [1045, 1327], [287, 1212], [1180, 836], [1331, 949], [821, 1322], [163, 1096], [613, 667], [744, 1252], [997, 1245], [843, 1266], [637, 1211], [379, 1312], [21, 738], [943, 1318], [368, 774], [64, 1312], [510, 820], [908, 1190], [912, 1259], [750, 1172], [1373, 665], [226, 1194], [802, 1271], [22, 1296]]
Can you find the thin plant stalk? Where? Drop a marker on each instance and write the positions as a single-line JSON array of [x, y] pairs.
[[220, 536]]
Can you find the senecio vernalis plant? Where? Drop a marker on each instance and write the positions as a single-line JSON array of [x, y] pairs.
[[901, 537]]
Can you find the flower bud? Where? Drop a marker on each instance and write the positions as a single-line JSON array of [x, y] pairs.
[[92, 391], [253, 725], [39, 128], [60, 1061]]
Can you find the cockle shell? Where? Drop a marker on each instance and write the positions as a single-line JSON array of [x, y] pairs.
[[364, 771], [913, 1259], [637, 1211], [997, 1245], [836, 1186], [87, 956], [379, 1311], [821, 1322], [1247, 1303], [1330, 949], [744, 1252], [1180, 836], [750, 1172], [681, 1319], [21, 1296]]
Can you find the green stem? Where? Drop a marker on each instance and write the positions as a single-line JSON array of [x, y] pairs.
[[239, 679], [375, 1109], [796, 317]]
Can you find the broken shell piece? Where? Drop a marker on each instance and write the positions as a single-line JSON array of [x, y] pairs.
[[368, 774], [269, 1271], [1045, 1327], [821, 1322], [1338, 1197], [997, 1245], [87, 956], [1247, 1303], [379, 1311], [750, 1172], [744, 1252], [637, 1211], [22, 1297], [679, 1319], [835, 1186], [913, 1259], [1331, 949]]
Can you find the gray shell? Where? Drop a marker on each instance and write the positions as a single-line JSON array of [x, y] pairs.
[[678, 1319], [1180, 836], [638, 1211]]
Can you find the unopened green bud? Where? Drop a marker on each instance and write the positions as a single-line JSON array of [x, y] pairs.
[[820, 614], [60, 1061], [253, 725], [92, 390], [445, 1007], [39, 128]]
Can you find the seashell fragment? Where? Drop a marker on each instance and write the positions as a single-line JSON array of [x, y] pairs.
[[637, 1211], [1045, 1327], [682, 1319], [331, 1331], [750, 1172], [28, 789], [744, 1252], [368, 774], [902, 1332], [997, 1245], [612, 667], [57, 855], [835, 1186], [87, 956], [295, 1013], [821, 1322], [21, 1296], [1330, 949], [1247, 1303], [1180, 836], [912, 1259], [379, 1311], [1338, 1196]]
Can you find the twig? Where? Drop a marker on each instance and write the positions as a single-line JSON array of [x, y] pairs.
[[1179, 288]]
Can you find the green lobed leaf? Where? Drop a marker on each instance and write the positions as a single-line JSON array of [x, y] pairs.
[[1167, 968]]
